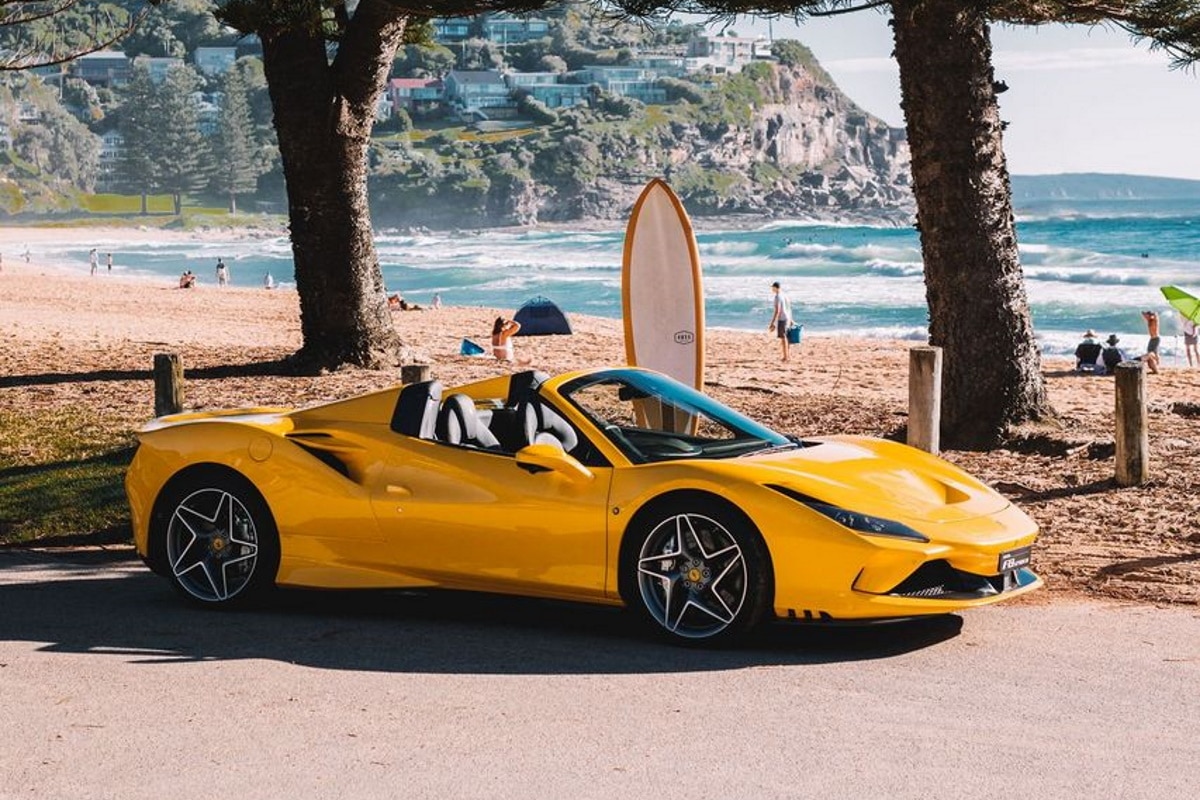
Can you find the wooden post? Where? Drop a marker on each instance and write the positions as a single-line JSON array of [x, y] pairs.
[[925, 398], [1132, 437], [414, 373], [168, 384]]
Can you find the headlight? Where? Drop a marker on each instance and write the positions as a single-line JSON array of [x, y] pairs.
[[859, 523]]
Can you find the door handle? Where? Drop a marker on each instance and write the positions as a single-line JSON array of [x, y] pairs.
[[398, 491]]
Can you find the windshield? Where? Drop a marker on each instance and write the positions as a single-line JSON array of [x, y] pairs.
[[651, 417]]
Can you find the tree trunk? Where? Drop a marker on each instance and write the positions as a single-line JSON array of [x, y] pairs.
[[978, 311], [145, 205], [323, 116]]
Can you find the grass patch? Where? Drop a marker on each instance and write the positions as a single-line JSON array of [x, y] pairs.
[[62, 476], [126, 203]]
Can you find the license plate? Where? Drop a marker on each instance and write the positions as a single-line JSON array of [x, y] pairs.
[[1015, 559]]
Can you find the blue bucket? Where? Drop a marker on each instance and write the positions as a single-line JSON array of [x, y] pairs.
[[794, 333]]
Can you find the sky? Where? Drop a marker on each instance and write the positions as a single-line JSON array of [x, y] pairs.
[[1080, 99]]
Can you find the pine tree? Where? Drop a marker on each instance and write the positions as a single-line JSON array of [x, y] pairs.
[[180, 151], [235, 150], [138, 122]]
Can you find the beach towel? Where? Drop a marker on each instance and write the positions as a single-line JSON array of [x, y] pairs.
[[469, 348]]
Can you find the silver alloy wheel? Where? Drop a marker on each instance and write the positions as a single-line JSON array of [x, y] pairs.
[[692, 576], [212, 545]]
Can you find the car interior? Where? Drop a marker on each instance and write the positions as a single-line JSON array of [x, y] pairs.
[[521, 419]]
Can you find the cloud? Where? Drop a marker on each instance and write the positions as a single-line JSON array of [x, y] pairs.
[[1079, 58], [1076, 58]]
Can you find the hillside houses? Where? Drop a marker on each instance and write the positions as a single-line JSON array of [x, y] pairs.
[[466, 95], [494, 94], [478, 94]]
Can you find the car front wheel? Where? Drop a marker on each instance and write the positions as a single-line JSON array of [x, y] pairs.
[[702, 574]]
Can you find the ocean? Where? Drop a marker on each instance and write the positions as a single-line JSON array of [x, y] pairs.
[[1087, 264]]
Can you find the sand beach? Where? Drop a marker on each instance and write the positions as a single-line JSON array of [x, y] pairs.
[[71, 342]]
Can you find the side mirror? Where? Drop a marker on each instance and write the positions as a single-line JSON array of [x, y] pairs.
[[548, 458]]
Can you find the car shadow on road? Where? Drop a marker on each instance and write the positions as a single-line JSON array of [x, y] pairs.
[[108, 604]]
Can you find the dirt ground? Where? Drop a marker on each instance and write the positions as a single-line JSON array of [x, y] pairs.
[[72, 342]]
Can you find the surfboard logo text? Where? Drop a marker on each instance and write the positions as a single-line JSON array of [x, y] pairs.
[[684, 337]]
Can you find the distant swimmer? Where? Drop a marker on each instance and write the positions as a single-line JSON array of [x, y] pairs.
[[1145, 255]]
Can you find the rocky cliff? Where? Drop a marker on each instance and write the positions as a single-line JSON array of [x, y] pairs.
[[776, 141], [801, 149]]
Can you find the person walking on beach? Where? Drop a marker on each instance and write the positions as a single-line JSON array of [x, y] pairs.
[[1189, 341], [94, 260], [781, 317], [222, 274], [109, 260]]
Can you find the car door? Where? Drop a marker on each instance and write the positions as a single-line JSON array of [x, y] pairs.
[[477, 519]]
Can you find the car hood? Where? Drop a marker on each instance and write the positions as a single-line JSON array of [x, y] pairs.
[[878, 477]]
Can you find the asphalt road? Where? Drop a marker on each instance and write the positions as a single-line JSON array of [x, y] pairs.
[[111, 688]]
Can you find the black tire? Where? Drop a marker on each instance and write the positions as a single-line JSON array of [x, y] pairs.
[[216, 539], [697, 571]]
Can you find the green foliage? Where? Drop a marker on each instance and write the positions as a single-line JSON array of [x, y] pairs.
[[163, 150], [618, 105], [420, 61], [535, 110], [678, 90], [480, 54], [551, 63], [137, 170], [442, 139], [705, 190], [238, 161], [41, 33], [571, 163], [181, 151], [55, 147], [792, 53]]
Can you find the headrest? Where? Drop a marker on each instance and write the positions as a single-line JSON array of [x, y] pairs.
[[539, 418], [416, 409], [523, 385], [456, 422]]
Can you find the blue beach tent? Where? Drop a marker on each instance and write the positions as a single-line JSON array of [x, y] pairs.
[[541, 317]]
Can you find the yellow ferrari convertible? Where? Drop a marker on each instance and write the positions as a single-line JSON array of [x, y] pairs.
[[615, 486]]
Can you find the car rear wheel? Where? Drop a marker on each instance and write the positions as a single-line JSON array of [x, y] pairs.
[[702, 573], [220, 545]]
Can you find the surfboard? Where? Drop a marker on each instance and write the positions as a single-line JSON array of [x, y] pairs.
[[662, 294]]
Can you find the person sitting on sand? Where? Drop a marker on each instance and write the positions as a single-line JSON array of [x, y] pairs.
[[187, 280], [1087, 354], [502, 345], [1112, 354], [396, 302], [1151, 358]]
